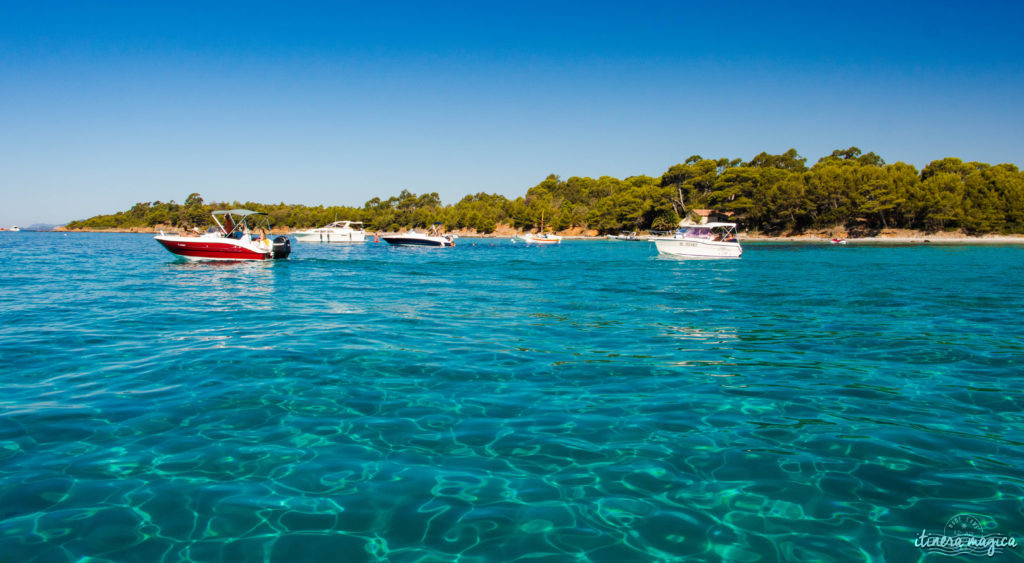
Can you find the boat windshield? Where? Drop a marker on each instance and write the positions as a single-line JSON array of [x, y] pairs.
[[694, 232], [718, 232]]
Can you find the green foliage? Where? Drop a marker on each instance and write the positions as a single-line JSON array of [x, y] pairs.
[[481, 212], [788, 160], [769, 193]]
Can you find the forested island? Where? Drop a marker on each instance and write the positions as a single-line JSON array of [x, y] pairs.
[[769, 194]]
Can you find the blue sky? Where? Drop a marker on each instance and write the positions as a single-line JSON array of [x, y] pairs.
[[104, 104]]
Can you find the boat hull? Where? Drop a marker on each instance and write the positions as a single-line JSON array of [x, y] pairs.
[[698, 249], [532, 239], [399, 240], [200, 248]]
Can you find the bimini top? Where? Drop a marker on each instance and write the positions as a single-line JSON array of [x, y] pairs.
[[242, 212]]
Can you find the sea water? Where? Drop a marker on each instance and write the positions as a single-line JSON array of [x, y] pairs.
[[586, 401]]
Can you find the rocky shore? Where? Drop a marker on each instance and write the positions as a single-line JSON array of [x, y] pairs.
[[888, 236], [884, 236]]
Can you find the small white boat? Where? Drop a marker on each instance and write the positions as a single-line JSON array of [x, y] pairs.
[[15, 228], [633, 236], [838, 241], [711, 240], [338, 231], [244, 235], [540, 238], [414, 238]]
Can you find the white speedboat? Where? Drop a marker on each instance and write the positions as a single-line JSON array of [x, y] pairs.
[[243, 235], [338, 231], [414, 238], [711, 240], [540, 238], [15, 228], [633, 236]]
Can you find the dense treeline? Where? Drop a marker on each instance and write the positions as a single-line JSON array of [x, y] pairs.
[[769, 193]]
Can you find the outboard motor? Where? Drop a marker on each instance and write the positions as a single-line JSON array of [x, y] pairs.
[[282, 247]]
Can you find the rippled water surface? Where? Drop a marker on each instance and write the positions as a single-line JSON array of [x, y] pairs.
[[496, 402]]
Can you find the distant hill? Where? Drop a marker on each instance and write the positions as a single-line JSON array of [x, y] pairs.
[[41, 227]]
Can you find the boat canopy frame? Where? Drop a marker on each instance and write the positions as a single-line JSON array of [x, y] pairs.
[[247, 221], [723, 231]]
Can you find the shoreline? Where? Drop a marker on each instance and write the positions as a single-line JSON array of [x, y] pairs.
[[983, 240], [894, 237], [891, 236]]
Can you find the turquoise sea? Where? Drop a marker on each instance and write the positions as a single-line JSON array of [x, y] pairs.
[[493, 402]]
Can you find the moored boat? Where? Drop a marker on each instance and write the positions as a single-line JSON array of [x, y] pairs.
[[243, 235], [413, 238], [838, 241], [633, 236], [711, 240], [540, 238], [338, 231]]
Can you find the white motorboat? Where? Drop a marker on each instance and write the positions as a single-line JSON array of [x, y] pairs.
[[243, 235], [413, 238], [338, 231], [15, 228], [711, 240], [633, 236]]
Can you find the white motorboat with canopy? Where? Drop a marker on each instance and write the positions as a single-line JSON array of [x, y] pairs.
[[710, 240]]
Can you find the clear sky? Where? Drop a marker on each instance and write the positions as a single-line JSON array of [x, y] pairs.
[[105, 104]]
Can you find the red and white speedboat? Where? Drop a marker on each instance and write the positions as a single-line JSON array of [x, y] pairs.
[[243, 235]]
